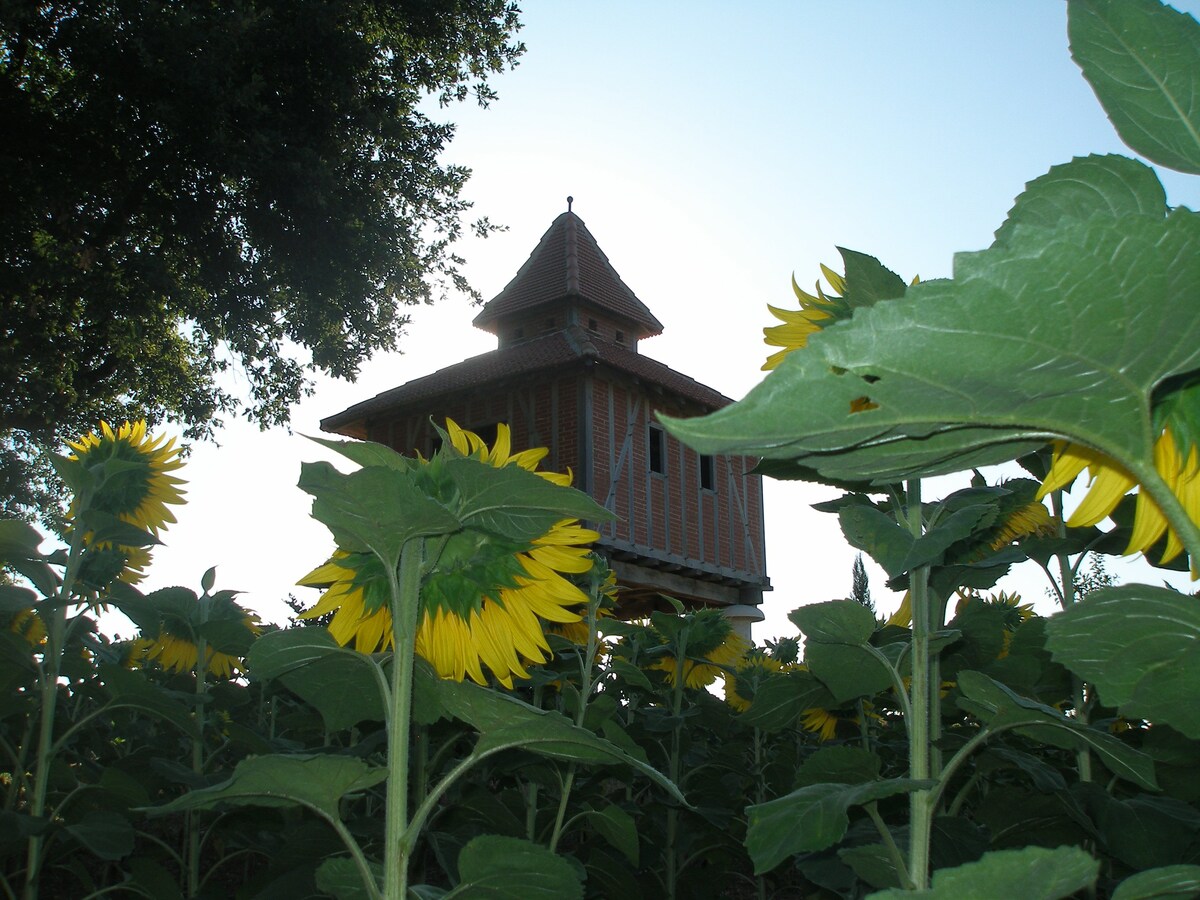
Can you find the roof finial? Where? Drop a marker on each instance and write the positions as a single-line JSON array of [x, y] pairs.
[[570, 200]]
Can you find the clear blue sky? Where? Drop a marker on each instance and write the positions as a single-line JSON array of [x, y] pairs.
[[712, 150]]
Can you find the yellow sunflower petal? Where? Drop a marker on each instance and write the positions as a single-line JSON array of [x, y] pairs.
[[1109, 486]]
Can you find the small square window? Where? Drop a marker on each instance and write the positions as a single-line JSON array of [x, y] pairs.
[[708, 473], [620, 337], [657, 441]]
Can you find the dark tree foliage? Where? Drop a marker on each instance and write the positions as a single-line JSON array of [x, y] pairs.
[[193, 187], [860, 589]]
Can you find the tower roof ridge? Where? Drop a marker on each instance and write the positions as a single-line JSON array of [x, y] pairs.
[[567, 263]]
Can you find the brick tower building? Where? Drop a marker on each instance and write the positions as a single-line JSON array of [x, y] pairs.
[[568, 374]]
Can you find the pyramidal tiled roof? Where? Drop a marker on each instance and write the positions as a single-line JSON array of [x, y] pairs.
[[557, 350], [567, 262]]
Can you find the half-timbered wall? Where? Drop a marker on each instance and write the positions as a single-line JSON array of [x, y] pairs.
[[598, 427], [668, 515]]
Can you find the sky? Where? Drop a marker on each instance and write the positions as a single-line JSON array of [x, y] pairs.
[[713, 150]]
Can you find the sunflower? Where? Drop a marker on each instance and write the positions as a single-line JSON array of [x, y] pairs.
[[748, 675], [26, 623], [1030, 520], [713, 648], [179, 652], [484, 601], [1175, 457], [134, 482], [579, 632], [815, 313], [824, 722]]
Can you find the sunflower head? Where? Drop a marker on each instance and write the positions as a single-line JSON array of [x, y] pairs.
[[175, 623], [700, 645], [487, 586], [27, 624], [820, 310], [749, 674], [1176, 454], [126, 474]]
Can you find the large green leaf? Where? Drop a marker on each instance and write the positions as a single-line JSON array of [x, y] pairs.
[[492, 867], [834, 622], [375, 509], [341, 877], [132, 690], [1061, 332], [1003, 709], [617, 827], [1140, 647], [106, 833], [1031, 873], [367, 453], [512, 502], [1168, 881], [849, 672], [781, 700], [506, 722], [1142, 59], [316, 782], [811, 818], [342, 684], [1087, 186]]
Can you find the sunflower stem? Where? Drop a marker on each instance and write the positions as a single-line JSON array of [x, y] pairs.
[[193, 818], [919, 732], [1083, 756], [50, 669], [405, 590], [673, 764]]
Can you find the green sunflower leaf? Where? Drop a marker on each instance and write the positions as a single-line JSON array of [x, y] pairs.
[[811, 818], [507, 722], [617, 827], [375, 509], [1140, 647], [315, 782], [106, 833], [133, 690], [514, 503], [1142, 58], [1087, 186], [1031, 873], [1179, 881], [340, 683], [848, 671], [834, 622], [1002, 709], [1064, 334], [868, 281], [366, 453], [341, 877], [492, 867], [780, 701]]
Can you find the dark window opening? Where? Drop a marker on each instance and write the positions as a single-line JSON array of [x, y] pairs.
[[708, 473], [549, 325], [592, 326], [487, 433], [657, 439], [518, 333], [620, 337]]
